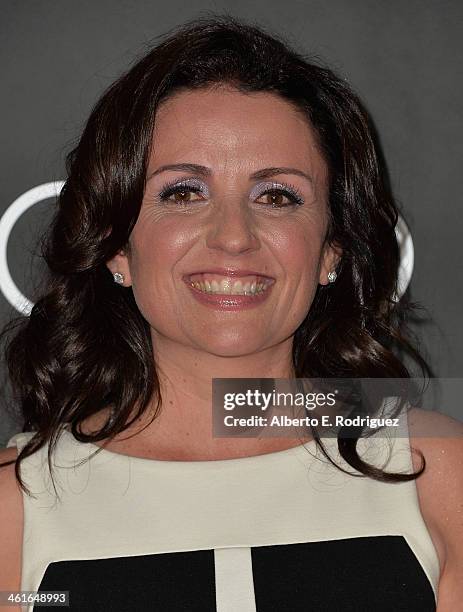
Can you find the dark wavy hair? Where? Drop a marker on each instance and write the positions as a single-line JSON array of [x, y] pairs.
[[86, 346]]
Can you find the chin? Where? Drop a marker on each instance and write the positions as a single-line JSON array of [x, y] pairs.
[[227, 346]]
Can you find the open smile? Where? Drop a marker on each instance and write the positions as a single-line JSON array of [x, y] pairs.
[[232, 292], [224, 285]]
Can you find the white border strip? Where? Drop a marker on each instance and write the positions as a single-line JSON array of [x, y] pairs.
[[234, 584]]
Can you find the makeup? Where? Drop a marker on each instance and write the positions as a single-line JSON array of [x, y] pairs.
[[279, 191]]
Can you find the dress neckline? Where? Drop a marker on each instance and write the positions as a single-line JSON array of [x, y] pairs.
[[107, 455]]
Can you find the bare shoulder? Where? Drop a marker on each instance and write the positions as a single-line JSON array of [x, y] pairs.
[[11, 523], [440, 490]]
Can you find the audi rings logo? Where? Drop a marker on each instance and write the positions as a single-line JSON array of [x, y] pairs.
[[51, 190]]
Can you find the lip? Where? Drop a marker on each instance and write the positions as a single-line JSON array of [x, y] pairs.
[[229, 302], [236, 272]]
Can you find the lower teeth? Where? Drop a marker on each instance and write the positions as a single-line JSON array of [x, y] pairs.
[[257, 292]]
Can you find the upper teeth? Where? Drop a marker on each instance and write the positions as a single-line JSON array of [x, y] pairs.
[[230, 286]]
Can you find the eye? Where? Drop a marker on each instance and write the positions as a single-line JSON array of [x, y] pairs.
[[276, 197], [181, 192], [281, 196]]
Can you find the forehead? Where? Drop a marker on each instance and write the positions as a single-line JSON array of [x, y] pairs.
[[223, 125]]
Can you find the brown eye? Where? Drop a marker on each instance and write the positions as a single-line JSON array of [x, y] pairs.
[[180, 195], [277, 198]]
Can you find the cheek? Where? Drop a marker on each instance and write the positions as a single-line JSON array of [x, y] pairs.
[[299, 249], [156, 249]]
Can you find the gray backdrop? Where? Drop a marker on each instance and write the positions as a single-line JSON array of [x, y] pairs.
[[404, 58]]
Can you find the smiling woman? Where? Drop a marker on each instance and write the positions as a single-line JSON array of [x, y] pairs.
[[225, 215], [241, 229]]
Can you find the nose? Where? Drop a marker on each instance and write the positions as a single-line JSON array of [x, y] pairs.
[[232, 229]]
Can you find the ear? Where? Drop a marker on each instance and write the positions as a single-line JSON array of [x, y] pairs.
[[331, 257], [120, 263]]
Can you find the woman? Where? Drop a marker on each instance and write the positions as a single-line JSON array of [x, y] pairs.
[[221, 156]]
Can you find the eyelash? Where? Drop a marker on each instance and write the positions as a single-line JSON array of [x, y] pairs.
[[177, 187], [280, 188]]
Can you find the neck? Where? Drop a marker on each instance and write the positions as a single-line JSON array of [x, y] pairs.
[[183, 428]]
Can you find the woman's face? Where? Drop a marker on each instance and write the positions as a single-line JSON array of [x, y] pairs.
[[236, 191]]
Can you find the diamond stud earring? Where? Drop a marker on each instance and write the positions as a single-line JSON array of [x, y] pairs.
[[332, 276], [118, 278]]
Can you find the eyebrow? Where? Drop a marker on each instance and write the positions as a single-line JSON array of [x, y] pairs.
[[205, 171]]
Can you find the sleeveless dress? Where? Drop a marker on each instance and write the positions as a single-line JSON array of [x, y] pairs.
[[280, 532]]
